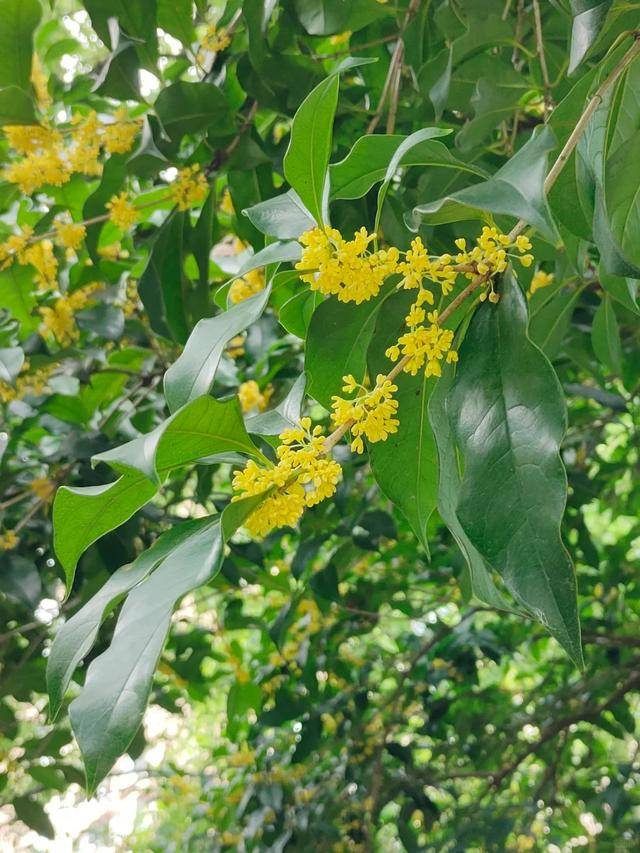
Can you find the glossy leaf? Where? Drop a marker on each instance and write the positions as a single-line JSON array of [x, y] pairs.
[[11, 361], [204, 427], [81, 515], [284, 416], [19, 20], [307, 158], [187, 107], [108, 712], [605, 336], [337, 343], [588, 19], [516, 189], [549, 326], [192, 374], [406, 464], [284, 216], [448, 493], [76, 636], [508, 417], [622, 178]]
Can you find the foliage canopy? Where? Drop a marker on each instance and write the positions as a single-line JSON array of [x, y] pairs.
[[319, 384]]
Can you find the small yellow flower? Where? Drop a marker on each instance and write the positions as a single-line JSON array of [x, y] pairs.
[[43, 488], [540, 280], [69, 235], [526, 260], [118, 137], [189, 188], [252, 398], [9, 540], [122, 212], [371, 414], [250, 284]]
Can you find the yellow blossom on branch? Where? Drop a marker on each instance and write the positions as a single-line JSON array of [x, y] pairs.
[[189, 188], [252, 398], [43, 488], [540, 279], [69, 235], [118, 137], [302, 477], [40, 83], [250, 284], [9, 540], [344, 268], [122, 212], [372, 413]]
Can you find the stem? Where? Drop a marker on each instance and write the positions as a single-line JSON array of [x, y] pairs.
[[548, 101], [583, 121]]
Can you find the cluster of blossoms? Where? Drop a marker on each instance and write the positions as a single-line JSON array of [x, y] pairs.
[[345, 268], [50, 156], [28, 383], [540, 280], [58, 319], [122, 212], [8, 540], [252, 399], [189, 188], [423, 346], [303, 477], [371, 413], [213, 41], [250, 284]]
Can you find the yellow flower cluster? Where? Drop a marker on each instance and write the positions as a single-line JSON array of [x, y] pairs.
[[423, 346], [373, 412], [122, 212], [250, 284], [540, 280], [40, 83], [58, 320], [69, 235], [418, 265], [43, 488], [41, 257], [190, 187], [9, 540], [252, 398], [130, 300], [213, 41], [50, 159], [302, 477], [345, 268], [27, 384]]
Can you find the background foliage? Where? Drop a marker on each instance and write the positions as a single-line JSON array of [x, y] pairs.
[[359, 682]]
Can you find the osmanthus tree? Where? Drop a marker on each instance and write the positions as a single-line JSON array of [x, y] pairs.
[[294, 296]]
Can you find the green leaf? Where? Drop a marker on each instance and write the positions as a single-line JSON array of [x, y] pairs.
[[176, 18], [337, 343], [19, 20], [192, 374], [17, 296], [327, 17], [307, 158], [284, 216], [623, 290], [622, 197], [294, 302], [493, 101], [516, 189], [549, 326], [406, 464], [588, 19], [84, 514], [31, 813], [77, 635], [284, 416], [612, 259], [605, 336], [108, 712], [368, 161], [508, 416], [402, 151], [111, 182], [119, 76], [204, 427], [136, 18], [11, 361], [193, 107], [162, 286], [449, 483], [20, 580]]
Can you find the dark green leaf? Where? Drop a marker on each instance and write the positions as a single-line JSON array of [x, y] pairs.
[[605, 336], [516, 189], [588, 19], [19, 20], [192, 107], [192, 374], [508, 416], [307, 157], [30, 812], [284, 216]]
